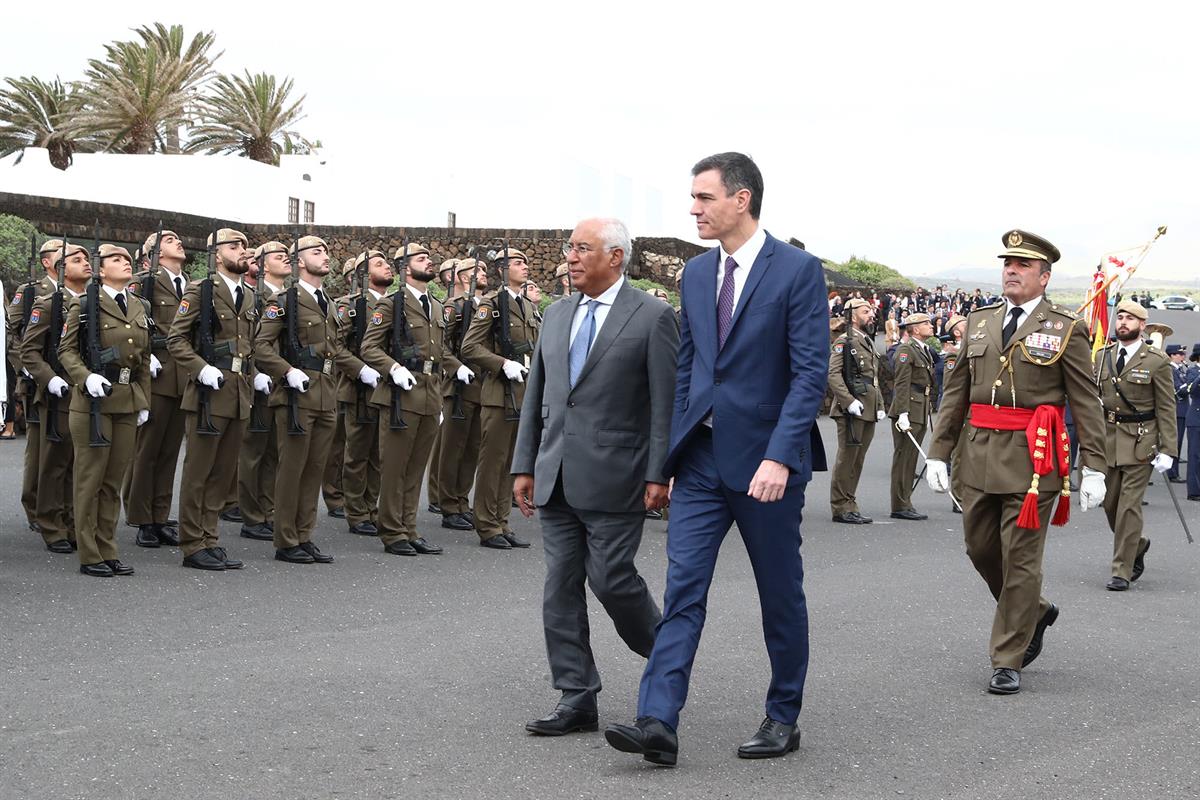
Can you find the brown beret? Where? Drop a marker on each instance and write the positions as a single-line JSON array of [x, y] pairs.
[[49, 246], [448, 264], [465, 264], [1134, 309], [560, 270], [107, 250], [857, 302], [359, 260], [916, 319], [307, 243], [148, 245], [513, 253], [223, 236], [954, 320], [409, 250], [269, 247]]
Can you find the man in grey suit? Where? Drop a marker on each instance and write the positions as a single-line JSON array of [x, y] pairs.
[[590, 448]]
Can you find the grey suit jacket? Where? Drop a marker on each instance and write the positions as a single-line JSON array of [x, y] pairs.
[[609, 435]]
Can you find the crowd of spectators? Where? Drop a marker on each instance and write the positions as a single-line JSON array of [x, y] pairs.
[[940, 304]]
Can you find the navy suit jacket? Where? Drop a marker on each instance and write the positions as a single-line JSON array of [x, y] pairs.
[[1193, 414], [765, 386]]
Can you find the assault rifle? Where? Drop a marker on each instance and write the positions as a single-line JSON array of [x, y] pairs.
[[259, 424], [504, 342], [95, 357], [58, 318], [465, 310], [358, 329], [403, 351], [854, 382], [27, 299], [291, 343], [206, 331]]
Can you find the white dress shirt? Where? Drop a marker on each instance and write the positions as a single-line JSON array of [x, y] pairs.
[[745, 258], [232, 285], [1130, 349], [605, 300], [1025, 307], [417, 293]]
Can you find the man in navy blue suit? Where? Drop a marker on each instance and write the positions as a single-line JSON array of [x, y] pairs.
[[753, 357], [1179, 374]]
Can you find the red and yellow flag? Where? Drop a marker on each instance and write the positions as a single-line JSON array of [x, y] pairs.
[[1096, 312]]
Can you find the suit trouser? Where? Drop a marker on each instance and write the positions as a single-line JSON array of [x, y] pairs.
[[493, 481], [98, 475], [204, 490], [33, 458], [904, 465], [360, 464], [331, 482], [302, 460], [1125, 486], [55, 500], [433, 483], [257, 462], [1180, 432], [1193, 455], [459, 457], [403, 456], [599, 547], [848, 467], [151, 484], [702, 510], [1009, 559]]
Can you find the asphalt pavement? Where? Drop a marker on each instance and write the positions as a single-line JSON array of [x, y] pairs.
[[389, 677]]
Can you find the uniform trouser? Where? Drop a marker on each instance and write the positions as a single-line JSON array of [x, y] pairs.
[[1180, 432], [1193, 455], [1009, 559], [55, 500], [493, 482], [904, 465], [98, 474], [459, 456], [598, 547], [433, 484], [956, 479], [1124, 488], [33, 458], [848, 467], [331, 481], [151, 484], [360, 465], [302, 460], [257, 461], [403, 456], [203, 490]]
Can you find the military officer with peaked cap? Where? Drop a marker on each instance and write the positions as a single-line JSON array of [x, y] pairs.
[[1022, 360], [856, 409], [912, 411], [1138, 396]]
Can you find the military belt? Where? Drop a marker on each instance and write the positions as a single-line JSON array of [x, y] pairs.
[[316, 364], [230, 362], [1142, 416], [424, 367], [120, 375], [920, 387]]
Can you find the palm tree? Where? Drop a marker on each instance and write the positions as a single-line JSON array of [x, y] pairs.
[[34, 113], [249, 115], [142, 90]]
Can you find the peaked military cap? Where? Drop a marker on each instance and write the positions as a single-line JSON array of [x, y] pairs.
[[1023, 244]]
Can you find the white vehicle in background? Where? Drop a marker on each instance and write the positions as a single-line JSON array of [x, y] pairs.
[[1175, 302]]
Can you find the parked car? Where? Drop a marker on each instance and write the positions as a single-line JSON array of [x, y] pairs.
[[1175, 302]]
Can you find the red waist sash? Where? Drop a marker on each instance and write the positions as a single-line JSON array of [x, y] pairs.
[[1049, 447]]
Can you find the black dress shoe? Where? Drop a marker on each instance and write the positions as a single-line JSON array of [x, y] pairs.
[[1194, 497], [1035, 644], [147, 536], [337, 513], [171, 523], [469, 516], [1178, 480], [117, 567], [908, 513], [1116, 584], [364, 529], [230, 563], [293, 555], [60, 546], [101, 570], [514, 540], [563, 720], [457, 522], [1139, 561], [1005, 681], [315, 552], [497, 542], [434, 508], [400, 547], [955, 509], [773, 739], [654, 513], [851, 518], [36, 528], [651, 737], [204, 559], [232, 514], [260, 532], [425, 548], [167, 535]]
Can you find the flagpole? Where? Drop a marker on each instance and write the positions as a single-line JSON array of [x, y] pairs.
[[1108, 281]]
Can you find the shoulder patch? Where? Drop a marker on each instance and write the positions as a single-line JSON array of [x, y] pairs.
[[16, 301], [837, 348], [377, 318], [902, 357], [184, 305], [35, 316], [273, 311], [341, 312], [448, 313], [483, 313]]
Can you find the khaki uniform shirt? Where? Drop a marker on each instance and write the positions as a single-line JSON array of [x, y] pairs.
[[914, 382], [482, 346], [1148, 387], [129, 372], [233, 329], [858, 346], [428, 360], [319, 347], [172, 380]]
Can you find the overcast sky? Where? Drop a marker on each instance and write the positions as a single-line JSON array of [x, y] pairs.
[[912, 133]]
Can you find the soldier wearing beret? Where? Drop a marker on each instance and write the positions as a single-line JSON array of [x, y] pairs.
[[217, 398], [911, 410], [1138, 396], [1022, 360], [857, 407], [409, 400], [121, 385], [304, 399], [503, 357]]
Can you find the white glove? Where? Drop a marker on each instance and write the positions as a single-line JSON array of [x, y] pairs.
[[57, 387], [262, 383], [1091, 489], [403, 378], [880, 414], [95, 384], [1162, 462], [903, 424], [155, 366], [937, 476], [368, 376], [210, 376], [856, 408], [297, 380], [143, 417], [464, 374], [514, 371]]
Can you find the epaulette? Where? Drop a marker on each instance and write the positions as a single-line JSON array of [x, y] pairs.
[[1066, 312], [989, 307]]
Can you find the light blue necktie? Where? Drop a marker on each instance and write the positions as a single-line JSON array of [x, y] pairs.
[[583, 342]]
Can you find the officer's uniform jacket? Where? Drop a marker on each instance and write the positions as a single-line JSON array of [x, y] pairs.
[[914, 382], [129, 372], [172, 381], [32, 347], [1142, 422], [858, 346], [233, 329], [453, 311], [314, 331], [482, 346], [349, 364], [13, 319], [428, 361]]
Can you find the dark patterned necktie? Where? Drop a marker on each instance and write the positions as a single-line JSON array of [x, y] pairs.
[[425, 305], [178, 287], [725, 302]]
